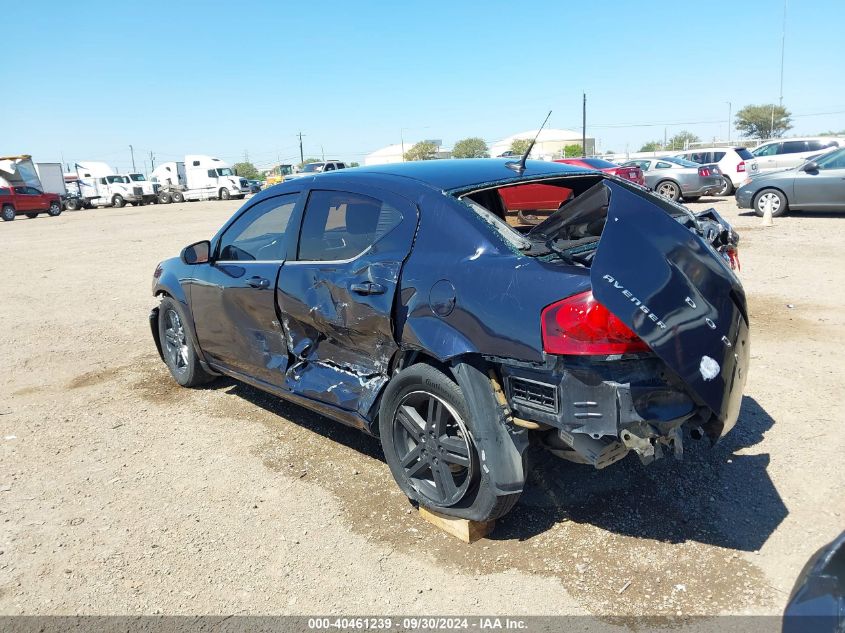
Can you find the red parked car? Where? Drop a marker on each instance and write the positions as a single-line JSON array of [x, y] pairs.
[[548, 198], [27, 200], [634, 174]]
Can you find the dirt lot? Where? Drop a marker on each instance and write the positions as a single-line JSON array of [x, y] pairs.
[[122, 493]]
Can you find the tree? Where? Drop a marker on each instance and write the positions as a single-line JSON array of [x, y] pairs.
[[354, 164], [570, 151], [682, 139], [246, 170], [832, 133], [309, 160], [424, 150], [472, 147], [763, 121], [520, 145], [652, 146]]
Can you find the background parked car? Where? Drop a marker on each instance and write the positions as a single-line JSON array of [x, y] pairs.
[[735, 163], [791, 152], [254, 186], [633, 173], [29, 201], [674, 178], [817, 185], [311, 169]]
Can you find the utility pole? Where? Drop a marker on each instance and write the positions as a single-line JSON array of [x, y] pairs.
[[132, 151], [323, 153], [301, 155], [246, 155], [584, 126], [730, 106], [664, 138], [782, 48], [152, 161]]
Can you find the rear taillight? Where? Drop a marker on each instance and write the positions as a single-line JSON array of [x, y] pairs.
[[581, 325], [704, 171], [741, 166]]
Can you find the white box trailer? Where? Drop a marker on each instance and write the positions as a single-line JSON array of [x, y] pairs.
[[52, 178], [198, 177]]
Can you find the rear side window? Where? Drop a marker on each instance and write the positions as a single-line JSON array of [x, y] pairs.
[[717, 156], [794, 147], [340, 225], [744, 154], [662, 165], [5, 191], [259, 234]]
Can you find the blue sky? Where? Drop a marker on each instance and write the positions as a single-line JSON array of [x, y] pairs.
[[224, 78]]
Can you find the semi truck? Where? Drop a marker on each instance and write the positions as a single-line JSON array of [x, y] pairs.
[[198, 177], [96, 184]]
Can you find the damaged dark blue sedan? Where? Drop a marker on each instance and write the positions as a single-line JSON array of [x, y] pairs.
[[403, 300]]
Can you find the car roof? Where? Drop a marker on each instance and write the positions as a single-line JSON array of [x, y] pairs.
[[463, 173], [712, 149]]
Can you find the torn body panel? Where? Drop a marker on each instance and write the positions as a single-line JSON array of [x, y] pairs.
[[338, 319]]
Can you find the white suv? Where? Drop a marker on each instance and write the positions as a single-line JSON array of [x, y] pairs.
[[791, 152], [735, 163]]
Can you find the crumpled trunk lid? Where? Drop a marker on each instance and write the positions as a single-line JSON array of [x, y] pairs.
[[678, 294]]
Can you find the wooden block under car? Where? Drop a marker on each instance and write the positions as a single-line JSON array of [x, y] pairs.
[[467, 531]]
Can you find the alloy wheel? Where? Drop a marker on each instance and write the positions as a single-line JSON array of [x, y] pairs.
[[766, 198], [668, 190], [175, 342], [434, 448]]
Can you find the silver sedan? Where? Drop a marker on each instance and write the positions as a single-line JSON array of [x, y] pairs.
[[676, 178]]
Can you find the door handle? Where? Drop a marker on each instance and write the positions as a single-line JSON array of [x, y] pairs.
[[367, 288], [258, 282]]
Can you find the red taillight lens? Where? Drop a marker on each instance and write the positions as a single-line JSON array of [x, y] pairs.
[[704, 171], [581, 325], [741, 166]]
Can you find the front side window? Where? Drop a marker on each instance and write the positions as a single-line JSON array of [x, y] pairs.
[[21, 191], [259, 234], [340, 225], [834, 160], [766, 150]]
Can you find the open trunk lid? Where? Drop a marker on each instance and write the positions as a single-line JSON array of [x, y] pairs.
[[656, 269], [679, 295]]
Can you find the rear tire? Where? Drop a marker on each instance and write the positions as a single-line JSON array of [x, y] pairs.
[[727, 187], [164, 198], [780, 205], [118, 201], [426, 433], [177, 345], [72, 204], [55, 209], [8, 213], [177, 196], [668, 189]]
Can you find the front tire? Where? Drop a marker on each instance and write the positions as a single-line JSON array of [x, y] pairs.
[[55, 209], [8, 213], [426, 433], [118, 201], [780, 205], [224, 194], [668, 189], [177, 346]]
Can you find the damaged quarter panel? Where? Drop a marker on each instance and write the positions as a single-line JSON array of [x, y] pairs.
[[670, 287], [337, 298], [466, 290]]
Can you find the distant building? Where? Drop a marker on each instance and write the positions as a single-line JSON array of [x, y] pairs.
[[549, 144], [393, 153]]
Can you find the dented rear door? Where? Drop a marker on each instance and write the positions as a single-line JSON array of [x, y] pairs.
[[337, 297], [678, 295]]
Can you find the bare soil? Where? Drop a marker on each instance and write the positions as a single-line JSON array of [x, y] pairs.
[[121, 493]]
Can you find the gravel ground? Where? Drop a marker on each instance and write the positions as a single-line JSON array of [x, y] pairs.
[[121, 493]]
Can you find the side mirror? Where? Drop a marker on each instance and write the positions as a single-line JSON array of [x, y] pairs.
[[197, 253], [810, 165]]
